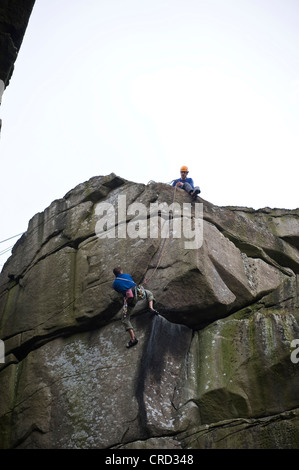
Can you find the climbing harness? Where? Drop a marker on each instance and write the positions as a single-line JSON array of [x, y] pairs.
[[140, 293], [136, 291]]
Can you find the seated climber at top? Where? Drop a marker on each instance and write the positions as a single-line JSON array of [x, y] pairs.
[[186, 183]]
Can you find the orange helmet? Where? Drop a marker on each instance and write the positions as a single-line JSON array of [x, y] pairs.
[[184, 168]]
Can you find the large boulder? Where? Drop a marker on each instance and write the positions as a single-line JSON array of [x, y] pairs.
[[216, 368]]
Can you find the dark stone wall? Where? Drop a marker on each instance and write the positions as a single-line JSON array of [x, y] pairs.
[[14, 17]]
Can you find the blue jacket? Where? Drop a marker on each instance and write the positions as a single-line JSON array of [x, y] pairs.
[[187, 180], [122, 283]]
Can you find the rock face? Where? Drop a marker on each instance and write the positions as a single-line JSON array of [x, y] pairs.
[[14, 17], [218, 368]]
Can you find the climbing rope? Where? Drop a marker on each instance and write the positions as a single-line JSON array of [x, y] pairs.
[[145, 280]]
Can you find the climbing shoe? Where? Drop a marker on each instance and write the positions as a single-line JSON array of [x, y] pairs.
[[153, 311], [195, 193], [132, 343]]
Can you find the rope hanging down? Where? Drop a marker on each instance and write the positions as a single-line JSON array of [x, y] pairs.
[[145, 280]]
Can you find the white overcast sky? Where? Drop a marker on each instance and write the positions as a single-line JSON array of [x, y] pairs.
[[141, 87]]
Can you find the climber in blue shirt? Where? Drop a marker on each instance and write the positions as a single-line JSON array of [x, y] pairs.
[[186, 183], [122, 282], [124, 285]]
